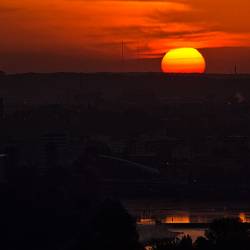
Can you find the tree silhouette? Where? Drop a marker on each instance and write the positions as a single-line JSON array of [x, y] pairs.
[[186, 243], [228, 233], [202, 243], [113, 228]]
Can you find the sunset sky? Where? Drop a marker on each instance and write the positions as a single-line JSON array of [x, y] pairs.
[[86, 35]]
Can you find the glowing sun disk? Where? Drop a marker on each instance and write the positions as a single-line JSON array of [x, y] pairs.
[[183, 60]]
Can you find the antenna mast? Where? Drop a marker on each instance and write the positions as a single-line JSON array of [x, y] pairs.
[[139, 57], [122, 56], [235, 69]]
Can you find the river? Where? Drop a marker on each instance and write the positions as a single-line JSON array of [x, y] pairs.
[[159, 218]]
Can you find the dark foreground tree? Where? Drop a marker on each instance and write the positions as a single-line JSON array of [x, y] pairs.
[[202, 243], [186, 243], [113, 228], [228, 233]]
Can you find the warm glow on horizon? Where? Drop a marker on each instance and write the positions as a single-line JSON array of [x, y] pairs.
[[183, 60], [86, 36]]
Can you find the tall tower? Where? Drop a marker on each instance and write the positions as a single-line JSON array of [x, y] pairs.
[[235, 69], [138, 57], [123, 56]]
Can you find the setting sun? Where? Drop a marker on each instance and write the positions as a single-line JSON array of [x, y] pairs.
[[183, 60]]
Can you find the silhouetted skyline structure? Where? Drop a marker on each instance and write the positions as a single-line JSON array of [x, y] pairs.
[[191, 129]]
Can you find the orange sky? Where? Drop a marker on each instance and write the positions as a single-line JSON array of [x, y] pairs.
[[86, 35]]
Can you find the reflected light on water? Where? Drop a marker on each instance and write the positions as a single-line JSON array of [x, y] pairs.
[[186, 218], [183, 219], [243, 217]]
